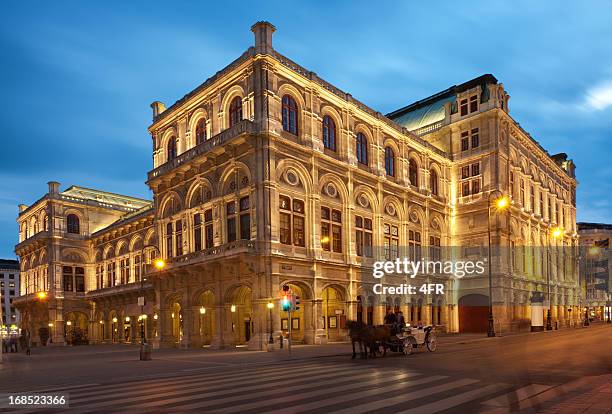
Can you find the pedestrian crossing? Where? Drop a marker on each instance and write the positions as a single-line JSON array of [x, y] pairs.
[[313, 386]]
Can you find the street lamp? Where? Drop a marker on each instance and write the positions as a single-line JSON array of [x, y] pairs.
[[159, 264], [500, 203], [555, 234], [270, 307]]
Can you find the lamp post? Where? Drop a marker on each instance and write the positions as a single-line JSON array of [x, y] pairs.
[[271, 338], [555, 234], [159, 264], [500, 203]]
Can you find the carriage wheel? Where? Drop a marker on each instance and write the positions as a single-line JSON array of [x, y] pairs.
[[431, 342], [407, 347]]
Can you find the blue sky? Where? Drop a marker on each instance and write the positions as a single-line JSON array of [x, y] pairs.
[[77, 77]]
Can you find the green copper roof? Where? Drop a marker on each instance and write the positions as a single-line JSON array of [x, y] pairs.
[[425, 115]]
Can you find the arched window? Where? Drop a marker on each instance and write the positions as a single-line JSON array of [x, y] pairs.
[[290, 119], [389, 161], [433, 182], [200, 131], [413, 173], [361, 148], [329, 133], [171, 148], [235, 114], [72, 224]]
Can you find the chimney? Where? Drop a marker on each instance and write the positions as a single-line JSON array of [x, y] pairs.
[[53, 187], [263, 37], [158, 108]]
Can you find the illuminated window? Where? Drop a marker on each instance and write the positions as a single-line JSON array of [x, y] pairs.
[[391, 237], [363, 236], [331, 230], [292, 221]]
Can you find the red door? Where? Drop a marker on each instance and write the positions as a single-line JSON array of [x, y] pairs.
[[473, 313]]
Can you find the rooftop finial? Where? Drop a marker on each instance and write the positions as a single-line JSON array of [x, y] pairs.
[[263, 37]]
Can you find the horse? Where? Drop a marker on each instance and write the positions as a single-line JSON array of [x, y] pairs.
[[375, 335], [357, 331]]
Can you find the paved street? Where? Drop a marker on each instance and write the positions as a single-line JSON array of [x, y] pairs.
[[466, 374]]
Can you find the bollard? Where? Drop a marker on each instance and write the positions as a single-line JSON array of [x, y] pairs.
[[281, 341], [145, 352]]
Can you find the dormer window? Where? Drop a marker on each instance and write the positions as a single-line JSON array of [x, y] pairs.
[[464, 107], [471, 105]]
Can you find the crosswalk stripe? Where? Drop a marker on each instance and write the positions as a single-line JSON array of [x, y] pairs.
[[455, 400], [321, 402], [148, 393], [270, 390], [337, 399], [375, 405], [179, 380]]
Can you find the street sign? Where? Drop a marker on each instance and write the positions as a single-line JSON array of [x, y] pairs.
[[141, 301]]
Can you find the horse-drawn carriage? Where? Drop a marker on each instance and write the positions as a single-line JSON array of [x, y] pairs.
[[382, 337], [411, 338]]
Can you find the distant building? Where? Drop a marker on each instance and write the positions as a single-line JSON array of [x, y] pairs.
[[9, 288], [596, 269]]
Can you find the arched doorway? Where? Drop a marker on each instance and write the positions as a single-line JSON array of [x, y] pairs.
[[334, 313], [207, 317], [75, 328], [240, 313], [127, 329], [98, 327], [113, 318], [473, 313]]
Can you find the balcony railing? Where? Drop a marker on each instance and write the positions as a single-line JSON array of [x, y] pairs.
[[428, 128], [243, 127], [227, 248]]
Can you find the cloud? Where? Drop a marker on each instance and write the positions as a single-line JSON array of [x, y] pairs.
[[600, 96]]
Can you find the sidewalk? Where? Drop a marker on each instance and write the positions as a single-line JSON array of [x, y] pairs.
[[592, 398]]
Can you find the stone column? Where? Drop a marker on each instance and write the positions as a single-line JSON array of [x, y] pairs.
[[260, 323], [426, 314], [319, 314], [218, 339], [309, 321], [379, 314], [187, 312], [165, 326], [197, 321]]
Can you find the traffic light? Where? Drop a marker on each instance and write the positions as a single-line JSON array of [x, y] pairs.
[[286, 302], [296, 303]]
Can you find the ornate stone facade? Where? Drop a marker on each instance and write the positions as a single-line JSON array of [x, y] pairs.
[[266, 175]]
